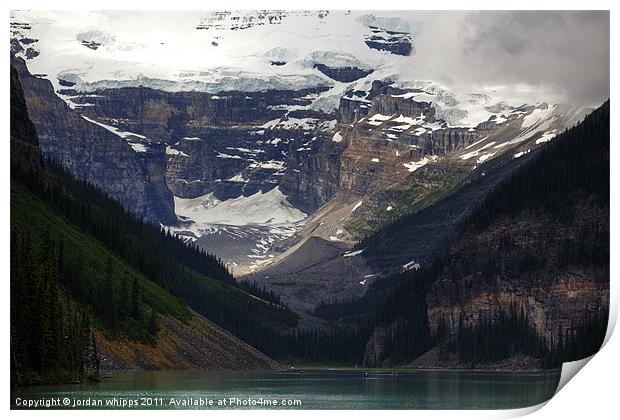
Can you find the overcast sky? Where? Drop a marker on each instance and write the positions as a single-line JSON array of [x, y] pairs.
[[563, 51]]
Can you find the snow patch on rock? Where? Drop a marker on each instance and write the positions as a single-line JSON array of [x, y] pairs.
[[352, 253], [414, 166]]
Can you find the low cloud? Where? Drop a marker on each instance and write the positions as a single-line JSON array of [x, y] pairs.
[[565, 52]]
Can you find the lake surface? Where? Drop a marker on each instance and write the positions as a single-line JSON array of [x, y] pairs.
[[315, 389]]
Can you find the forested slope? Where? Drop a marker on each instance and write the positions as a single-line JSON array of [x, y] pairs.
[[82, 267], [527, 274]]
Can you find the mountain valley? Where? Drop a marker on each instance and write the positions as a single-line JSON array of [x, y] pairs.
[[305, 198]]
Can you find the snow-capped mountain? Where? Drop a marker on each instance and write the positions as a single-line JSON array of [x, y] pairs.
[[209, 52], [266, 125]]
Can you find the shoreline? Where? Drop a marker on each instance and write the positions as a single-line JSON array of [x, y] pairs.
[[309, 369], [427, 369]]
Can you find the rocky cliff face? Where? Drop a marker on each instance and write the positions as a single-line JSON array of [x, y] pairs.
[[376, 136], [313, 174], [382, 137], [530, 250], [231, 143], [24, 144], [96, 155], [169, 116], [342, 74], [394, 42]]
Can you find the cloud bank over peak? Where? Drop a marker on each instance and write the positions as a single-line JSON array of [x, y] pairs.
[[565, 52]]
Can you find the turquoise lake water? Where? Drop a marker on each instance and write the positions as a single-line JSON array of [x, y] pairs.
[[315, 389]]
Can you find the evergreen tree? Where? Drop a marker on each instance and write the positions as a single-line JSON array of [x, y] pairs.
[[135, 300]]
